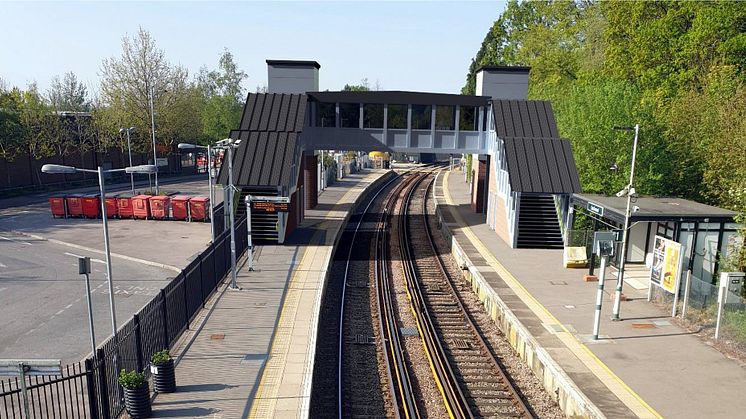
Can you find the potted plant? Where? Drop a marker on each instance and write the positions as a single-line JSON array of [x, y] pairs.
[[136, 393], [162, 367]]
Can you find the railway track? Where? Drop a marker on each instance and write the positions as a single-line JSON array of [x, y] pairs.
[[471, 379], [372, 354]]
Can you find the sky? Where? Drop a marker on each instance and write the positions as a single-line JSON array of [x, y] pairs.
[[417, 46]]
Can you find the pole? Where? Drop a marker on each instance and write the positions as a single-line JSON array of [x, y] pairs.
[[107, 251], [212, 194], [132, 175], [599, 298], [250, 247], [232, 218], [721, 300], [686, 293], [24, 390], [90, 313], [625, 234], [152, 128]]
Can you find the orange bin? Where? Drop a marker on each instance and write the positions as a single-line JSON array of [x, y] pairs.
[[198, 208], [180, 207], [57, 205], [74, 205], [159, 207], [112, 211], [124, 206], [141, 206], [91, 207]]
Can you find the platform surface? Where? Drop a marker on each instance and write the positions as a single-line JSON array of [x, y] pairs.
[[251, 353], [654, 370]]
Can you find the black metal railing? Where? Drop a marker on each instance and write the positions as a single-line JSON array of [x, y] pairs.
[[89, 389]]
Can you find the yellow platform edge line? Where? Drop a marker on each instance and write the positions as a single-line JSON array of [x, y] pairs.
[[615, 384], [259, 398]]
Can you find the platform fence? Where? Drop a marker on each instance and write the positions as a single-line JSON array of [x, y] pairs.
[[700, 313], [89, 389]]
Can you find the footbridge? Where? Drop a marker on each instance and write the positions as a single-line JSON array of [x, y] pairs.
[[514, 142]]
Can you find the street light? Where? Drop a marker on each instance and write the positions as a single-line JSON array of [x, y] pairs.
[[129, 150], [59, 169], [229, 144], [152, 129], [629, 192], [187, 146]]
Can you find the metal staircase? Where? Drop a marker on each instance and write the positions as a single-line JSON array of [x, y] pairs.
[[263, 226], [538, 226]]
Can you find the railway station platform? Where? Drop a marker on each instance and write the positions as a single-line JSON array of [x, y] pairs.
[[250, 352], [642, 366]]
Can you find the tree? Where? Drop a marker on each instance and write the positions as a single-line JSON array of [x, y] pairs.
[[362, 87], [68, 94], [11, 128], [129, 81], [222, 96]]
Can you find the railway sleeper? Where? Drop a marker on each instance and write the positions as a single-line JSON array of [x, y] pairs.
[[479, 377]]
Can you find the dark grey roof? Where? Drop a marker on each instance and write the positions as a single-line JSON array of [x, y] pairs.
[[293, 63], [400, 98], [541, 165], [524, 118], [264, 158], [274, 112], [269, 139], [655, 208], [504, 68]]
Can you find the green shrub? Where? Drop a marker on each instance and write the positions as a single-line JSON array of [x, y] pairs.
[[132, 380], [160, 357]]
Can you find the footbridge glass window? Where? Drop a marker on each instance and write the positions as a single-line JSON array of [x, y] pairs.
[[469, 120], [422, 116], [349, 115], [326, 115], [397, 117], [372, 115], [445, 118]]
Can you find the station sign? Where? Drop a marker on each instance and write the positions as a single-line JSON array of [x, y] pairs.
[[595, 208], [268, 207]]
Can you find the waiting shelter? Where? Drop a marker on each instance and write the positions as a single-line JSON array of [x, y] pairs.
[[707, 233]]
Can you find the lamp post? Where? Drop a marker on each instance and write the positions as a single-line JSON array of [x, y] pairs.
[[152, 129], [129, 151], [629, 191], [187, 146], [59, 169], [229, 144]]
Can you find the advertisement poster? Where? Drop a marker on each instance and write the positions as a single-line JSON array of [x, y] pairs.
[[666, 267]]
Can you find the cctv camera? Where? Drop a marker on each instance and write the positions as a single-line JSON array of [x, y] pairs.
[[621, 193], [635, 208]]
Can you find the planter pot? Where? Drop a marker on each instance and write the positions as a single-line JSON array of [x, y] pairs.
[[137, 402], [164, 377]]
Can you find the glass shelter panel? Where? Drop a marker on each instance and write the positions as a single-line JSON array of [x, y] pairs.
[[422, 116], [445, 118], [372, 115], [326, 115], [397, 117], [349, 115]]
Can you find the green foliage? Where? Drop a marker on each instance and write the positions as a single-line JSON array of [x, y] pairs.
[[64, 120], [132, 380], [362, 87], [160, 357]]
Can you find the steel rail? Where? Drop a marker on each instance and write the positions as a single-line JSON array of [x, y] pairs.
[[340, 352], [394, 350], [453, 397], [517, 398]]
